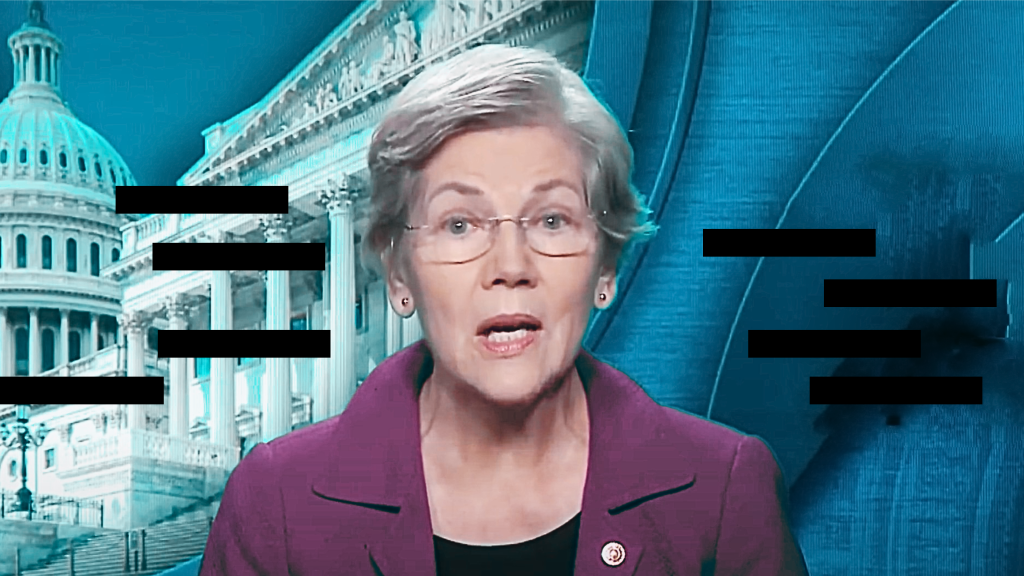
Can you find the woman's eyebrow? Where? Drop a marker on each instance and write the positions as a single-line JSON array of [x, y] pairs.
[[469, 190]]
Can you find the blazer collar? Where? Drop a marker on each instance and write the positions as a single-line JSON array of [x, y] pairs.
[[633, 457]]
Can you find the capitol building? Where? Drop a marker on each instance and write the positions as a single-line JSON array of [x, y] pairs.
[[79, 296]]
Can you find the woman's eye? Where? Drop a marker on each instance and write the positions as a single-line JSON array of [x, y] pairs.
[[457, 225], [554, 220]]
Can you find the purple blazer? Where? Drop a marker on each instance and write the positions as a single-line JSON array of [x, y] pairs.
[[679, 494]]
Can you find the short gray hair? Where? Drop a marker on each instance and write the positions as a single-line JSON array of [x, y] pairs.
[[499, 86]]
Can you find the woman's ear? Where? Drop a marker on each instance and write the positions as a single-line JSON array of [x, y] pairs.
[[605, 292], [399, 293]]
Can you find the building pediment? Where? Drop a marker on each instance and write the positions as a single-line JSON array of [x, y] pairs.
[[367, 58]]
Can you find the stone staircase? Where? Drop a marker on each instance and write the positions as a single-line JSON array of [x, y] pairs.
[[179, 537]]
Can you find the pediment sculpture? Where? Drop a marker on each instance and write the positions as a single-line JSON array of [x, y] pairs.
[[454, 19], [383, 66], [405, 37], [450, 20]]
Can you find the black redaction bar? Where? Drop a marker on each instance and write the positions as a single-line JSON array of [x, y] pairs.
[[84, 390], [238, 256], [911, 293], [244, 343], [719, 242], [201, 199], [895, 390], [834, 344]]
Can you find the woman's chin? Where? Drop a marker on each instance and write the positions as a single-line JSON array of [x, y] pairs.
[[518, 390]]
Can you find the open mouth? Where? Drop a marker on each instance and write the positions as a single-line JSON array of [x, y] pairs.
[[508, 335]]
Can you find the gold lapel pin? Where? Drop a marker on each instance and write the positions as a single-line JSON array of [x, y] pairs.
[[613, 554]]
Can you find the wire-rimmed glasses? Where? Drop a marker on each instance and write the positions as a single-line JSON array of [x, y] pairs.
[[463, 234]]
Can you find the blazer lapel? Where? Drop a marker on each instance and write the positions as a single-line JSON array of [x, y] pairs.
[[379, 466], [631, 461]]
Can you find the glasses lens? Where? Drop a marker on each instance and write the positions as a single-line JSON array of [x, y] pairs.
[[461, 235], [560, 231], [455, 236]]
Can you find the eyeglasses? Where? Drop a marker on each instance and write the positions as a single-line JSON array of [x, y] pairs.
[[460, 236]]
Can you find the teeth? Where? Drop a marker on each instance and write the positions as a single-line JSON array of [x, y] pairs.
[[506, 336]]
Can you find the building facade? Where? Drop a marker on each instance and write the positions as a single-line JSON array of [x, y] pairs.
[[310, 133]]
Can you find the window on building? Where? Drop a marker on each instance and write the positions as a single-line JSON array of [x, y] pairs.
[[22, 249], [12, 469], [63, 158], [23, 156], [51, 458], [43, 157], [47, 253], [99, 171], [113, 176], [299, 322], [74, 346], [94, 259], [3, 156], [72, 255], [81, 164], [21, 352], [115, 255], [152, 337], [48, 346]]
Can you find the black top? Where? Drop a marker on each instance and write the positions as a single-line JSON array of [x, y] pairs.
[[553, 554]]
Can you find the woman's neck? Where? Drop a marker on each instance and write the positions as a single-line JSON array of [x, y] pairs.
[[461, 430]]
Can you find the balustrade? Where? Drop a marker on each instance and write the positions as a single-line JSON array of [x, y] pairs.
[[104, 363], [141, 234], [150, 444]]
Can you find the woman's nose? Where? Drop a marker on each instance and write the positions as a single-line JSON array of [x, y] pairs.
[[510, 253]]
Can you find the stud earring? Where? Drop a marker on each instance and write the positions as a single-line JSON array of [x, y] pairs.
[[602, 296], [405, 301]]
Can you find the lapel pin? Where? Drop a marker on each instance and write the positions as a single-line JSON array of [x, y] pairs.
[[613, 554]]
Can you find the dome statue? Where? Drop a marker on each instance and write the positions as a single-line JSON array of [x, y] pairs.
[[41, 139], [36, 15]]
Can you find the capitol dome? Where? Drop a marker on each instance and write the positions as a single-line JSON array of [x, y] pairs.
[[40, 137], [58, 224]]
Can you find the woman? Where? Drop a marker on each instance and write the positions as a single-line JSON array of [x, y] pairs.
[[501, 206]]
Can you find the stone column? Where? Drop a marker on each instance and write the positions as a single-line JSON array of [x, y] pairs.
[[94, 331], [276, 392], [322, 382], [65, 339], [133, 325], [177, 315], [6, 343], [223, 430], [35, 343], [31, 64], [339, 198], [393, 330]]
